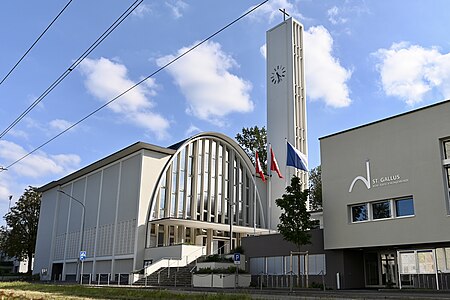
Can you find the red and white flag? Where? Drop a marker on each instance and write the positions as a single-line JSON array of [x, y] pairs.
[[258, 167], [274, 164]]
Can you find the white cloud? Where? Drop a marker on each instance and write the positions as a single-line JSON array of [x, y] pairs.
[[271, 10], [410, 72], [141, 10], [60, 124], [177, 8], [334, 16], [37, 164], [18, 133], [263, 51], [204, 78], [106, 79], [326, 79], [191, 130], [5, 190]]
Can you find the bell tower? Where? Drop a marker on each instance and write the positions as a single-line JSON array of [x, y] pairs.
[[286, 106]]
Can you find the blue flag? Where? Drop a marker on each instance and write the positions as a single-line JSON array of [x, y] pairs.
[[295, 158]]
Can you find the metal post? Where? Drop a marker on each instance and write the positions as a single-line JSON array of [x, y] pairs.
[[291, 283], [168, 268], [82, 223], [82, 265]]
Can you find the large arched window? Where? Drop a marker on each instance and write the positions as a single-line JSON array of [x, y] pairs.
[[209, 179]]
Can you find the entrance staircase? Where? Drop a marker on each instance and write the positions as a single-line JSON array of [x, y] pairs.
[[169, 276]]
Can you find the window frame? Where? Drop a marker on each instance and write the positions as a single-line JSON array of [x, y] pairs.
[[396, 210], [389, 202], [367, 213], [392, 207]]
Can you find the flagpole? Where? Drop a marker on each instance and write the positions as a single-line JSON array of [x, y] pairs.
[[269, 196], [285, 166], [254, 205]]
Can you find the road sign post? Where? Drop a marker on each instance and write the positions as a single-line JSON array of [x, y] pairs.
[[82, 258]]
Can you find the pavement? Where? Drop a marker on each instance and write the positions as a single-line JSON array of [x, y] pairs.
[[309, 294]]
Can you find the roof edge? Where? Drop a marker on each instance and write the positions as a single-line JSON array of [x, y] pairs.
[[133, 148], [385, 119]]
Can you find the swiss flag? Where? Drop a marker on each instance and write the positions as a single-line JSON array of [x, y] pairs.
[[274, 164], [258, 167]]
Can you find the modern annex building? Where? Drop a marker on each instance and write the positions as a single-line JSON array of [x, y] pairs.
[[386, 209], [146, 205], [386, 198]]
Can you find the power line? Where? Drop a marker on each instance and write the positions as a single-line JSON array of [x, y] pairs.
[[138, 83], [35, 42], [91, 48]]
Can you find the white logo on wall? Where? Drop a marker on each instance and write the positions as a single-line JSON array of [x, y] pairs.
[[366, 181], [377, 182]]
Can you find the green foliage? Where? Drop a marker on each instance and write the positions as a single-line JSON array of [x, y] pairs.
[[254, 139], [238, 249], [217, 258], [295, 218], [315, 188], [18, 238]]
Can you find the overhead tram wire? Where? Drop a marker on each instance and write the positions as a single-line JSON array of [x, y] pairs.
[[35, 42], [137, 84], [91, 48]]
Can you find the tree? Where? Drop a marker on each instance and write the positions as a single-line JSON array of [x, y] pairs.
[[295, 218], [19, 236], [254, 139], [315, 188]]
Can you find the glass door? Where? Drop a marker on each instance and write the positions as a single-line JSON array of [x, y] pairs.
[[388, 269]]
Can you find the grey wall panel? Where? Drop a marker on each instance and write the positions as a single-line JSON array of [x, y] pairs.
[[71, 268], [91, 202], [76, 209], [45, 230], [407, 147], [103, 267], [109, 195], [129, 188], [63, 212], [123, 266]]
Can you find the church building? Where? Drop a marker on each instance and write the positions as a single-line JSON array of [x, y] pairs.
[[146, 206]]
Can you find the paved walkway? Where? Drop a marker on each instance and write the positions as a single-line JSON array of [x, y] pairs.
[[316, 294]]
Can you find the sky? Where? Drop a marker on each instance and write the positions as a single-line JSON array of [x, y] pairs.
[[365, 60]]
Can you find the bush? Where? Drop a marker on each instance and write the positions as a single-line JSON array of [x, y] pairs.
[[238, 249], [217, 258]]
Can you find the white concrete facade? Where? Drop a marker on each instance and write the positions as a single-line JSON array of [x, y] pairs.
[[286, 105], [146, 197]]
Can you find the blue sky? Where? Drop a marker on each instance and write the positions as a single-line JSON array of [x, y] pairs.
[[365, 60]]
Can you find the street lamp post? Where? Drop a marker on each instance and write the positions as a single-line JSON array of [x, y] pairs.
[[82, 231]]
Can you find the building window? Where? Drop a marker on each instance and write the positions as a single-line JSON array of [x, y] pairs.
[[359, 213], [404, 207], [446, 149], [381, 210]]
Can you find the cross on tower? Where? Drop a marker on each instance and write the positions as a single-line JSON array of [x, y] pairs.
[[284, 13]]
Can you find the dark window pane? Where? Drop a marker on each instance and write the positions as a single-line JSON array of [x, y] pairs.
[[404, 207], [359, 213], [381, 210]]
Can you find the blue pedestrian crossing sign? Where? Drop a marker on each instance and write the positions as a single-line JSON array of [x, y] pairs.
[[237, 258], [82, 255]]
